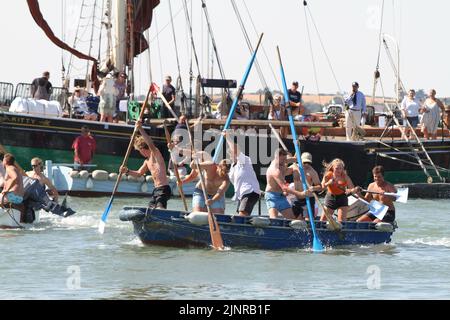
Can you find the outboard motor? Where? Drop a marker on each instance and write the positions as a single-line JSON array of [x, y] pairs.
[[36, 198]]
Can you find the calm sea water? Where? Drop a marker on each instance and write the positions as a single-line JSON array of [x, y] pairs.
[[68, 259]]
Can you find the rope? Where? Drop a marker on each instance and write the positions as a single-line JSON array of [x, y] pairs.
[[179, 81], [159, 51], [311, 51], [323, 48], [377, 72], [262, 45], [249, 44], [213, 40]]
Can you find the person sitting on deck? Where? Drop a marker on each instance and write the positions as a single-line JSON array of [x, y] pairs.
[[155, 164], [216, 184], [339, 185], [276, 189], [37, 174], [243, 178], [297, 198], [380, 186], [13, 190], [79, 105]]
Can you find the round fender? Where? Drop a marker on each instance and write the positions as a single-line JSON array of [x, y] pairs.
[[260, 221], [384, 227], [198, 218], [298, 225]]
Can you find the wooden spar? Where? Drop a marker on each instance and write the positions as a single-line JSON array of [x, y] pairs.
[[252, 123]]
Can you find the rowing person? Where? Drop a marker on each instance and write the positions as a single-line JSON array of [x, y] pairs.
[[13, 190], [216, 184], [243, 177], [155, 164], [380, 186], [37, 174], [276, 189], [298, 198], [339, 186]]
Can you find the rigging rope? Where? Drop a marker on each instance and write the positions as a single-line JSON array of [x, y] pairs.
[[262, 45], [250, 46], [311, 51], [323, 48], [377, 70], [179, 81]]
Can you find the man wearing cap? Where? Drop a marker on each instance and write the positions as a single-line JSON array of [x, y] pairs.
[[169, 93], [297, 198], [295, 99], [121, 85], [355, 109]]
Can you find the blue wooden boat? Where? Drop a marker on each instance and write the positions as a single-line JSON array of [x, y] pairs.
[[173, 228]]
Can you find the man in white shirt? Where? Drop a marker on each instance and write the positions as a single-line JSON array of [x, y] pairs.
[[243, 177], [356, 104]]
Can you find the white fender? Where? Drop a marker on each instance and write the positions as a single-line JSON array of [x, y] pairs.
[[198, 218], [89, 184], [298, 225], [84, 174], [384, 227], [100, 175], [113, 176], [260, 221], [144, 188], [74, 174]]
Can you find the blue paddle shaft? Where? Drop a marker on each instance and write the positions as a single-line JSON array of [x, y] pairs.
[[317, 245], [236, 100]]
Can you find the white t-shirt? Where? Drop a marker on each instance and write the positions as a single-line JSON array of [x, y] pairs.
[[411, 107], [243, 177]]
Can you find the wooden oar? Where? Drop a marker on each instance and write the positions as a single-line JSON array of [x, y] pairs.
[[335, 226], [317, 244], [401, 195], [175, 166], [216, 237], [101, 226], [236, 100]]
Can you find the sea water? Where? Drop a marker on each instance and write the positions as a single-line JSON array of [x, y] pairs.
[[67, 259]]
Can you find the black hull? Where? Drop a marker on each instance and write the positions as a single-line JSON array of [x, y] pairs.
[[29, 136]]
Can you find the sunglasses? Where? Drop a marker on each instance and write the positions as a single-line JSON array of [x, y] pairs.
[[35, 165]]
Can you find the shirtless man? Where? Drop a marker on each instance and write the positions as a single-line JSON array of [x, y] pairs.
[[36, 173], [155, 164], [297, 199], [276, 189], [13, 191], [380, 186], [216, 184]]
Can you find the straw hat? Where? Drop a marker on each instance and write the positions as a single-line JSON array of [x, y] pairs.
[[306, 157]]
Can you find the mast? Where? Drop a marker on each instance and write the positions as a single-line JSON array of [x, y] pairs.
[[120, 28]]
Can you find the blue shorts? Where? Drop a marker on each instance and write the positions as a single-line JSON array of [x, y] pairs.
[[13, 198], [276, 200], [414, 121], [198, 200]]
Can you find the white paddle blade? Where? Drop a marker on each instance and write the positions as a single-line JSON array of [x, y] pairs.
[[378, 209], [101, 227], [402, 195]]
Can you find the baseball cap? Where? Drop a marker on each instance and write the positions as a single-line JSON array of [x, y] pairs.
[[295, 83], [355, 84], [306, 157]]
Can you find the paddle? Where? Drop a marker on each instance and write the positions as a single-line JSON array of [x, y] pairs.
[[317, 245], [401, 195], [376, 208], [236, 100], [335, 226], [102, 224], [175, 168], [216, 237]]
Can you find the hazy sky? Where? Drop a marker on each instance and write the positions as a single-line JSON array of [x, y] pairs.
[[349, 31]]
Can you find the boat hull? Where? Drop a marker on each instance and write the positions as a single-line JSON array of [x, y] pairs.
[[170, 228], [11, 219]]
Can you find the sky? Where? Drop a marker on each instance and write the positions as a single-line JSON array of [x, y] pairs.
[[349, 31]]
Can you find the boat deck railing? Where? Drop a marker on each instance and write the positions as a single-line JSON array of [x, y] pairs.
[[6, 93]]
